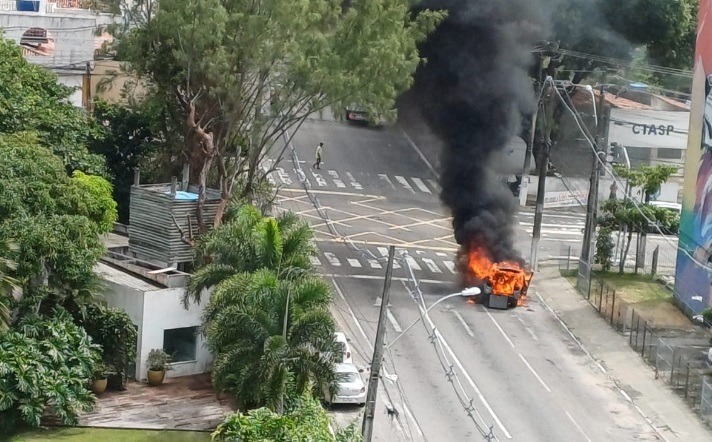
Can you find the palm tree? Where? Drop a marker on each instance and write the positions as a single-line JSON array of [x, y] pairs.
[[259, 356], [7, 283], [249, 242]]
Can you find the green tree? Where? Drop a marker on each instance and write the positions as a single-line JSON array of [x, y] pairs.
[[127, 141], [303, 420], [237, 76], [32, 100], [7, 282], [249, 242], [46, 364], [649, 178], [55, 220], [270, 337], [604, 248]]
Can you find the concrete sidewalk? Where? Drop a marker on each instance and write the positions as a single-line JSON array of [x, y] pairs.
[[664, 410]]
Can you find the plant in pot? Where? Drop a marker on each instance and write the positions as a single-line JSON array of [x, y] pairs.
[[99, 379], [157, 363]]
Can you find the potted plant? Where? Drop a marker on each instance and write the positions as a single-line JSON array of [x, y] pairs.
[[157, 365], [99, 379]]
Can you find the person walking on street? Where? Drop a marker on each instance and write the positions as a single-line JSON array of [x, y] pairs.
[[319, 151]]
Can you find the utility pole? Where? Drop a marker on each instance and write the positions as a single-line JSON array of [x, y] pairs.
[[543, 171], [86, 89], [592, 205], [378, 347]]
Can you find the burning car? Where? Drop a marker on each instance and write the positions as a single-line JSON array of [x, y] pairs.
[[504, 284]]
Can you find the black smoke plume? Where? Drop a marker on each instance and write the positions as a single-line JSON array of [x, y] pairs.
[[472, 92]]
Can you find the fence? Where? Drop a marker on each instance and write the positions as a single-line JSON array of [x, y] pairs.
[[706, 400]]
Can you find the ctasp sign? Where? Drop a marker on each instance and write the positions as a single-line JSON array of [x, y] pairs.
[[652, 129]]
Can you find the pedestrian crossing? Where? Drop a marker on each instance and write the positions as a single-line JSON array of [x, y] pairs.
[[346, 181], [370, 259], [565, 227]]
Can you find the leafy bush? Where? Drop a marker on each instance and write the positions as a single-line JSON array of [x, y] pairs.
[[113, 330], [46, 364], [303, 419], [604, 248], [707, 316], [157, 360]]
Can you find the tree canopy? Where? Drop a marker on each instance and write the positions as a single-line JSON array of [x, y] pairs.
[[56, 221], [233, 76], [31, 99]]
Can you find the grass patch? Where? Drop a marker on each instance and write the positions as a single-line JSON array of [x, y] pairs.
[[636, 288], [109, 435]]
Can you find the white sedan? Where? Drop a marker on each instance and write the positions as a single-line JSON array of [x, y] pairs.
[[350, 388]]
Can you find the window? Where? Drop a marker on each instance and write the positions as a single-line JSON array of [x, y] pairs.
[[669, 154], [180, 343]]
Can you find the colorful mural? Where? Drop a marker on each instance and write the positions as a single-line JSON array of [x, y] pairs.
[[693, 278]]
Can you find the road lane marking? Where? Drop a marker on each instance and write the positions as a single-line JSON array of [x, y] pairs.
[[557, 232], [333, 260], [529, 329], [384, 253], [315, 261], [354, 262], [498, 327], [450, 266], [380, 278], [403, 182], [562, 226], [266, 164], [464, 324], [284, 176], [393, 321], [431, 265], [355, 184], [420, 154], [320, 181], [441, 254], [420, 185], [536, 375], [434, 184], [577, 426], [385, 178], [469, 379], [335, 178], [412, 263], [374, 264], [410, 416]]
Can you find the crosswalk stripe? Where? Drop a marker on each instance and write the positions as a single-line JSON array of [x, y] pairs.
[[315, 261], [354, 262], [412, 263], [374, 264], [384, 252], [385, 178], [335, 178], [420, 185], [333, 260], [320, 181], [441, 254], [434, 185], [562, 226], [265, 167], [557, 232], [284, 176], [355, 184], [403, 182], [431, 265], [450, 266]]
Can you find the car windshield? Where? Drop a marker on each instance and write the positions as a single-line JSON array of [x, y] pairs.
[[341, 347], [348, 378]]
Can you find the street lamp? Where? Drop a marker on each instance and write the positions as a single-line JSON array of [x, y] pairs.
[[470, 291]]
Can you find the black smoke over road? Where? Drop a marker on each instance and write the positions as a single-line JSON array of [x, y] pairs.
[[472, 92]]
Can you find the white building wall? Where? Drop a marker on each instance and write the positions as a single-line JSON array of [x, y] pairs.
[[163, 310]]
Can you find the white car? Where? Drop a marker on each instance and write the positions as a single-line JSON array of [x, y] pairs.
[[344, 344], [350, 388]]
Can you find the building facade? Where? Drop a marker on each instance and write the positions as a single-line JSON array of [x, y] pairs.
[[56, 34]]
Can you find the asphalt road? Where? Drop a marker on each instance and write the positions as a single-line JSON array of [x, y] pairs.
[[527, 378]]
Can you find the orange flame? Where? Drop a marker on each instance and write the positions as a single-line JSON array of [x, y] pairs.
[[504, 277]]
